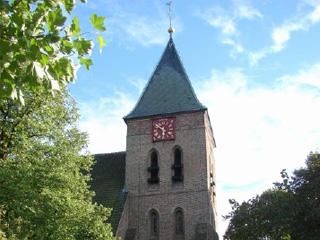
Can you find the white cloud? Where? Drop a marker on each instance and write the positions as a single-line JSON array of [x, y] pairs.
[[104, 124], [237, 47], [145, 30], [243, 10], [226, 22], [259, 131], [282, 34], [309, 77], [315, 15], [219, 18], [254, 57]]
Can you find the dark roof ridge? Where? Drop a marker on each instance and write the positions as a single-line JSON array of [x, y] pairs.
[[100, 154]]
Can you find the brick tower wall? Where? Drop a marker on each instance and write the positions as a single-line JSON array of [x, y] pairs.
[[195, 194]]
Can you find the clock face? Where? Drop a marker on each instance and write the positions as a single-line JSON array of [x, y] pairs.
[[163, 129]]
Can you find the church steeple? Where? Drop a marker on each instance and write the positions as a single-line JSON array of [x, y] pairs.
[[170, 173], [168, 91]]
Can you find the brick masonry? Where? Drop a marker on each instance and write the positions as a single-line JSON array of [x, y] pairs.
[[195, 195]]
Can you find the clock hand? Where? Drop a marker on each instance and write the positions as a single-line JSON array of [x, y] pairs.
[[162, 128]]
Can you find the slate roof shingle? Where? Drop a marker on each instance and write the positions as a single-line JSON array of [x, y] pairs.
[[169, 89], [108, 181]]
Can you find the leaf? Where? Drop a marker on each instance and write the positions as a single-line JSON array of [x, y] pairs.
[[55, 19], [38, 71], [48, 49], [14, 93], [86, 62], [75, 28], [17, 20], [61, 69], [67, 46], [69, 5], [101, 42], [97, 22], [54, 84], [82, 46], [44, 59], [21, 99]]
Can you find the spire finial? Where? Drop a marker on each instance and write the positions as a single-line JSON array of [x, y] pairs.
[[170, 30]]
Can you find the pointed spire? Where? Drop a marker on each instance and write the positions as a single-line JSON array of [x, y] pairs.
[[168, 91]]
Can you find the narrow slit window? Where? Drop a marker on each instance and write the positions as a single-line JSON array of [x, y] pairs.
[[154, 224], [179, 222]]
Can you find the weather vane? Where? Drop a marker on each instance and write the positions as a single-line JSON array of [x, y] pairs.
[[170, 30]]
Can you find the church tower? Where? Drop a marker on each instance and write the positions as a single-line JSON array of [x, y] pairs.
[[170, 173]]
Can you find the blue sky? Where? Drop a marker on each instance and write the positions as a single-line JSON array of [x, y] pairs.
[[254, 64]]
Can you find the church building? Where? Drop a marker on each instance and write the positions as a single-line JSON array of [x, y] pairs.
[[163, 186]]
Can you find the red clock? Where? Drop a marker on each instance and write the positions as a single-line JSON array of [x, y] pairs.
[[163, 129]]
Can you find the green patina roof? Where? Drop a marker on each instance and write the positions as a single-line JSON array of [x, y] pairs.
[[108, 179], [169, 89]]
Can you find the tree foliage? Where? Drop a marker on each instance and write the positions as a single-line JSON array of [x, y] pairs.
[[290, 210], [43, 182], [36, 44]]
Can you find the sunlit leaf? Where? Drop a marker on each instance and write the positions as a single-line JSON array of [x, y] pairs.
[[97, 22], [101, 42], [75, 28], [86, 62], [82, 46], [55, 19]]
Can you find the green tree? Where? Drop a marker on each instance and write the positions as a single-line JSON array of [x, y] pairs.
[[290, 210], [43, 177], [36, 44]]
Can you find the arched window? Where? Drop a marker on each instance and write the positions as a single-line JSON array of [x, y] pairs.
[[154, 224], [154, 168], [177, 166], [179, 222]]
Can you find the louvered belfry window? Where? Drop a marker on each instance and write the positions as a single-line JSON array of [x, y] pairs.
[[154, 168], [177, 166]]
